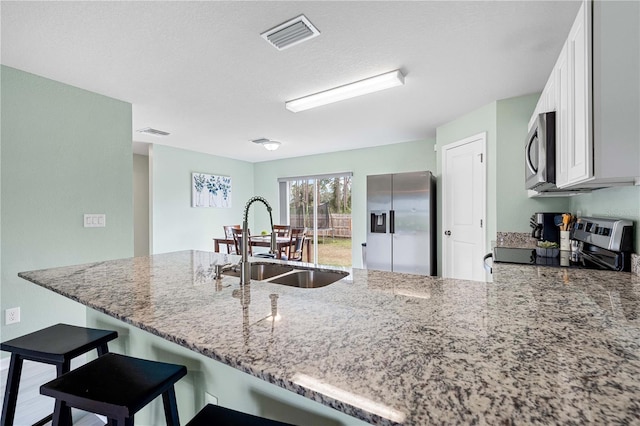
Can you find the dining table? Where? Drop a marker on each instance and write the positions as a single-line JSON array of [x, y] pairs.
[[263, 241]]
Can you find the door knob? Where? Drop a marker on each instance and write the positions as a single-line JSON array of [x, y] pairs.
[[447, 233]]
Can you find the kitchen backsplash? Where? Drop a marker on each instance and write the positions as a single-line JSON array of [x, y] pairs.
[[515, 239]]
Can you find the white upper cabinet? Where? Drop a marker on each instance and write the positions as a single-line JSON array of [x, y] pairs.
[[561, 77], [576, 149], [596, 96]]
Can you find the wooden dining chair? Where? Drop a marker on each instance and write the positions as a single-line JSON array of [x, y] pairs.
[[282, 230], [296, 245], [237, 239], [228, 234]]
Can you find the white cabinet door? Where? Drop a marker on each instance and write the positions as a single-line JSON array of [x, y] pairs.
[[549, 94], [580, 142], [563, 115]]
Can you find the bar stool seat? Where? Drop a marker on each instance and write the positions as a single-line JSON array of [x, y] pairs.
[[116, 386], [220, 416], [56, 345]]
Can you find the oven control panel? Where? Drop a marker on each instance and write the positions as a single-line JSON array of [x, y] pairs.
[[610, 234]]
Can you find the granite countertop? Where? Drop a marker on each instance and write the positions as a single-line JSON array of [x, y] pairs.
[[537, 345]]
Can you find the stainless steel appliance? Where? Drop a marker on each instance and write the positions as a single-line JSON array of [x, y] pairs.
[[540, 154], [605, 241], [544, 227], [601, 243], [401, 223]]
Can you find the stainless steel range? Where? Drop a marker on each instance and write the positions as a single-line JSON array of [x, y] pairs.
[[599, 243], [606, 242]]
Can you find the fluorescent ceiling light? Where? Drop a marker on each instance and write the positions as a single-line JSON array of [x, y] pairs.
[[267, 143], [362, 87]]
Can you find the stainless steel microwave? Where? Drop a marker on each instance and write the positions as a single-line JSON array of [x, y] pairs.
[[540, 153]]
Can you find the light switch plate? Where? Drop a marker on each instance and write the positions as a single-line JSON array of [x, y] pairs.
[[94, 220]]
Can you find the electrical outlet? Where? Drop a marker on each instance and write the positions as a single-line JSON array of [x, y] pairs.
[[12, 316], [92, 220]]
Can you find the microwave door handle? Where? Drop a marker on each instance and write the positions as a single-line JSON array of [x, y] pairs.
[[532, 168]]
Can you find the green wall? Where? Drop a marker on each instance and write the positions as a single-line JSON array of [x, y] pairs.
[[513, 205], [395, 158], [620, 203], [175, 225], [65, 152]]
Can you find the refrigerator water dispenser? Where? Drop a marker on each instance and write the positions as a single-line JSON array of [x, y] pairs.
[[378, 222]]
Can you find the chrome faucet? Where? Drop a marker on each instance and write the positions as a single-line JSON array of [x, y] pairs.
[[245, 272], [220, 269]]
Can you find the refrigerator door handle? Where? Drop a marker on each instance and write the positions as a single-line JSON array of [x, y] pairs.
[[392, 222]]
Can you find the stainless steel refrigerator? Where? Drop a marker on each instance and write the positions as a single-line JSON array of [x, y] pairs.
[[401, 223]]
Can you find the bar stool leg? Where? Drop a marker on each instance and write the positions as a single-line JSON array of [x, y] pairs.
[[11, 391], [120, 421], [170, 407], [61, 414], [102, 349], [64, 409]]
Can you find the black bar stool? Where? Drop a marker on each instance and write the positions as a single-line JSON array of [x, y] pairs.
[[220, 416], [56, 345], [115, 386]]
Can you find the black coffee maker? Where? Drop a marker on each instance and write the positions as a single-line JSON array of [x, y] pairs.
[[544, 227]]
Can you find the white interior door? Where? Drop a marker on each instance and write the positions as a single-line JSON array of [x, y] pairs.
[[463, 215]]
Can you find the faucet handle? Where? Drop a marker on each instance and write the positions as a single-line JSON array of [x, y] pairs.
[[273, 249], [218, 271]]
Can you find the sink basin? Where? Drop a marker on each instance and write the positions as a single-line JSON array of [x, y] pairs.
[[310, 279], [262, 271]]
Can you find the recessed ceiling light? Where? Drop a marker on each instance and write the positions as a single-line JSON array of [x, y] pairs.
[[267, 143], [290, 33], [153, 132], [351, 90]]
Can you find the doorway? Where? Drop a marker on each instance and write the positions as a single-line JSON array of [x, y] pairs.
[[464, 182], [322, 206]]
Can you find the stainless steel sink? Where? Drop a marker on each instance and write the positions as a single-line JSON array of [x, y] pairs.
[[262, 271], [310, 278]]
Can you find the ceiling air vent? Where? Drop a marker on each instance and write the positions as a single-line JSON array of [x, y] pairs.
[[291, 33], [153, 132]]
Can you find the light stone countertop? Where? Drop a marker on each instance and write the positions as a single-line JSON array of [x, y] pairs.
[[537, 345]]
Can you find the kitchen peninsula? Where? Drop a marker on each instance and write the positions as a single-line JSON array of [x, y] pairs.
[[537, 345]]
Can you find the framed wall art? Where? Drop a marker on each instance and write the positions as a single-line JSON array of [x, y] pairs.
[[210, 191]]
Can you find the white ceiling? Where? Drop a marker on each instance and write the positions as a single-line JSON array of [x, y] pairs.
[[201, 71]]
